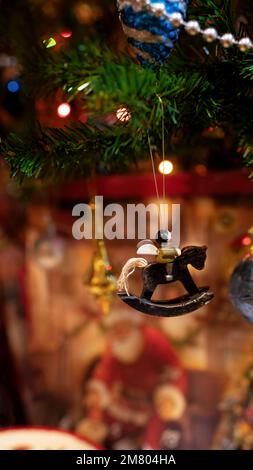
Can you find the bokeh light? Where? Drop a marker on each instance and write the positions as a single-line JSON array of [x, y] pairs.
[[246, 241], [63, 110], [13, 86], [166, 167], [66, 34], [123, 114]]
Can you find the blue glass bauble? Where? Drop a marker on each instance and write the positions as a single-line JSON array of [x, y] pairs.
[[150, 33], [241, 288]]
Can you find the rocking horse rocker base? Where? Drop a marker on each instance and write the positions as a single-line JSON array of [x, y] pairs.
[[169, 308]]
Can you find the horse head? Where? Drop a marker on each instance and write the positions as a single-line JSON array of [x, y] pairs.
[[194, 255]]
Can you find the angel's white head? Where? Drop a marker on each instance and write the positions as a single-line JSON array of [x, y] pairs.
[[163, 236]]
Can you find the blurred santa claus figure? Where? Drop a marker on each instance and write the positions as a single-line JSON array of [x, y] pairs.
[[136, 393]]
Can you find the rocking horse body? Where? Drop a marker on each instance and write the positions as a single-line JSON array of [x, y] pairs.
[[177, 270], [171, 265]]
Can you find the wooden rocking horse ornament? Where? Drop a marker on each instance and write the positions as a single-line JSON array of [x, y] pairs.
[[170, 266]]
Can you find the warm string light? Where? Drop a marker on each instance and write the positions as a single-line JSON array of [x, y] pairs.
[[66, 34], [63, 110], [123, 114], [166, 167]]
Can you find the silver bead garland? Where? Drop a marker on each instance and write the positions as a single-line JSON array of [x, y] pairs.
[[193, 28], [210, 34]]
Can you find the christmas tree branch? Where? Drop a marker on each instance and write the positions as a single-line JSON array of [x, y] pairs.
[[200, 86]]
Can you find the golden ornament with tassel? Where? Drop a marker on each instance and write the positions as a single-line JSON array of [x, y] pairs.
[[101, 281]]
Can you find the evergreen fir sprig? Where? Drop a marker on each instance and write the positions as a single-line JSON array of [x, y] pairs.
[[219, 14], [69, 151]]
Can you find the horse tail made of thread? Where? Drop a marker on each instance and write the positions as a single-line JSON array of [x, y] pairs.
[[129, 269]]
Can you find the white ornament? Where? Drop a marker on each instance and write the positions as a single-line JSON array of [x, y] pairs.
[[176, 19], [210, 34], [245, 44], [192, 28], [227, 40]]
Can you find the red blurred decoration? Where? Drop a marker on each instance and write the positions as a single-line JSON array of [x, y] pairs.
[[83, 118], [214, 133], [182, 184], [66, 34], [240, 242], [63, 110], [201, 169], [246, 241]]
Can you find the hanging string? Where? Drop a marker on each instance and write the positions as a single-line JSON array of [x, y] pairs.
[[153, 167], [163, 144], [163, 157]]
